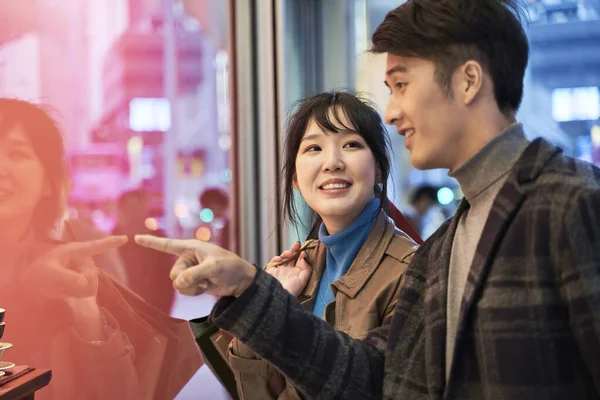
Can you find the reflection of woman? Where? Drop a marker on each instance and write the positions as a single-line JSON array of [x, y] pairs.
[[100, 340], [337, 157]]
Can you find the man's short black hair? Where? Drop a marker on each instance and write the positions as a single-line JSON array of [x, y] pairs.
[[451, 32]]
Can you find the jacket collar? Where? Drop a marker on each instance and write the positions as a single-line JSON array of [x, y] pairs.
[[363, 266]]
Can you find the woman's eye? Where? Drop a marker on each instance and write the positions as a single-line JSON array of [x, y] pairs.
[[400, 85], [353, 145], [312, 148]]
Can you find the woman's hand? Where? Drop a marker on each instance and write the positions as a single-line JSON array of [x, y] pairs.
[[67, 272], [294, 274]]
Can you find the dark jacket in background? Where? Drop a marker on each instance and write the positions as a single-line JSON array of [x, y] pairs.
[[148, 271]]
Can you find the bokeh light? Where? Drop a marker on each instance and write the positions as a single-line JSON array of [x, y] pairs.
[[203, 233], [151, 224], [207, 215], [445, 196]]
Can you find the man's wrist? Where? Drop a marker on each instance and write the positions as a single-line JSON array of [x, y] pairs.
[[250, 275]]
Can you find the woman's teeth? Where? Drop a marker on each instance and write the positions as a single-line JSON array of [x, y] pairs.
[[336, 186]]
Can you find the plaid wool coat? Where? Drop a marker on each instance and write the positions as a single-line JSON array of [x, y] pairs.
[[529, 324]]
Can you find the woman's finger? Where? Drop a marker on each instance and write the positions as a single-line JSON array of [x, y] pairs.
[[287, 254], [302, 263], [295, 247]]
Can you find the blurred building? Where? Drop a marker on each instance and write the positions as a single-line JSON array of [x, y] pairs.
[[565, 66]]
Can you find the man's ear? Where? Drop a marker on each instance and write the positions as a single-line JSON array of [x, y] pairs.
[[470, 81]]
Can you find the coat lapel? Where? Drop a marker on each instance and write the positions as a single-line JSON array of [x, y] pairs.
[[368, 258], [317, 258], [504, 208], [438, 263]]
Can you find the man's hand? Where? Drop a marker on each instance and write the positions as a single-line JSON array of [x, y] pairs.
[[67, 272], [203, 267], [294, 274]]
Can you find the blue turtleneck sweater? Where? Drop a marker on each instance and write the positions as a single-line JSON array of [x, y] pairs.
[[342, 249]]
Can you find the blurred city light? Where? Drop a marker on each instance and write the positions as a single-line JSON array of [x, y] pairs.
[[203, 233], [135, 145], [595, 135], [226, 175], [576, 104], [151, 224], [225, 142], [445, 196], [207, 215], [149, 114], [182, 211]]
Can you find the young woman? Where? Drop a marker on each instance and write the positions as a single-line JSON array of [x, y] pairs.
[[100, 340], [337, 158]]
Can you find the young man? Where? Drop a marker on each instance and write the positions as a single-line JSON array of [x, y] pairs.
[[503, 301]]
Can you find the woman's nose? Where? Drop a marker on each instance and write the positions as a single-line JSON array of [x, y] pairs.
[[333, 161]]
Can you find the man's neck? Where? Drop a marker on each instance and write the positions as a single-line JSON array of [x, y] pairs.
[[479, 133], [491, 162]]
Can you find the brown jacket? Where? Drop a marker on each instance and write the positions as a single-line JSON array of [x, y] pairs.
[[364, 297]]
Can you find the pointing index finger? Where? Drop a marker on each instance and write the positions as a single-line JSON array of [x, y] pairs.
[[93, 247], [171, 246]]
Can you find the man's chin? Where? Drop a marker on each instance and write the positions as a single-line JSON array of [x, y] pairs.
[[425, 164]]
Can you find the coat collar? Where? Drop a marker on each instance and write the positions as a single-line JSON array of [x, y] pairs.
[[363, 266]]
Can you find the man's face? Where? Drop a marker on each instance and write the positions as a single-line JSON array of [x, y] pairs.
[[431, 120]]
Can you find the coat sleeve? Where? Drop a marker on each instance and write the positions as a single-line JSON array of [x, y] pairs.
[[320, 361], [580, 280]]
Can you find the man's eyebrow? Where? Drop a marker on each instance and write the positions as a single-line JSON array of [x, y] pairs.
[[397, 68]]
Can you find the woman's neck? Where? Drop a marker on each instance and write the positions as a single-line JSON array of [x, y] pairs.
[[338, 224], [13, 230]]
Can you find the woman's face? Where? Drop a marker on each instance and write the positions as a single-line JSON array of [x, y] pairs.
[[22, 179], [336, 174]]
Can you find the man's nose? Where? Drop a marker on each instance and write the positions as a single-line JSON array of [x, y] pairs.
[[393, 113]]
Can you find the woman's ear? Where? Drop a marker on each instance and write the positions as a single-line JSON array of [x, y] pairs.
[[378, 174], [295, 182]]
